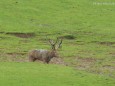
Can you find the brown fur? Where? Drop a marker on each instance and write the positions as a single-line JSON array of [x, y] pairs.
[[42, 55], [45, 55]]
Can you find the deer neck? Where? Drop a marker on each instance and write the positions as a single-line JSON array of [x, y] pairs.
[[53, 53]]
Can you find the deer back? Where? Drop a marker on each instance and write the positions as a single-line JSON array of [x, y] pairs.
[[42, 54], [38, 53]]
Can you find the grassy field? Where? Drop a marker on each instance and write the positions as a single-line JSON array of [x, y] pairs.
[[87, 28], [34, 74]]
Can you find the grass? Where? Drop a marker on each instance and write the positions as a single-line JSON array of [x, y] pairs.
[[88, 30], [34, 74]]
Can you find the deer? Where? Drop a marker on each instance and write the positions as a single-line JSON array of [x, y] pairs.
[[45, 55]]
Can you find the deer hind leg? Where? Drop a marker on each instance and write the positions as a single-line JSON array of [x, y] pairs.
[[32, 59], [44, 61]]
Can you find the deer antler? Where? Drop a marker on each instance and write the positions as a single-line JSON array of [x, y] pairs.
[[52, 42], [60, 43], [56, 41]]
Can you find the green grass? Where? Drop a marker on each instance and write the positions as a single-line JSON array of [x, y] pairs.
[[34, 74], [92, 27]]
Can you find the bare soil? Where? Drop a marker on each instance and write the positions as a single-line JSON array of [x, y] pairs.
[[20, 57], [22, 35], [58, 61], [104, 43], [85, 63], [107, 43], [13, 57]]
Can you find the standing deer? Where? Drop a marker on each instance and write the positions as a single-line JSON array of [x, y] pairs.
[[45, 55]]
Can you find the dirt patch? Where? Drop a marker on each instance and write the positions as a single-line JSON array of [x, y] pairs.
[[85, 63], [20, 57], [57, 61], [108, 67], [112, 53], [86, 59], [54, 61], [16, 57], [104, 43], [13, 54], [107, 43], [13, 57], [22, 35]]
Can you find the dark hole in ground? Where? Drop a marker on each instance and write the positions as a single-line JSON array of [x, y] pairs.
[[107, 43], [22, 35], [104, 43], [15, 54], [71, 37], [1, 32]]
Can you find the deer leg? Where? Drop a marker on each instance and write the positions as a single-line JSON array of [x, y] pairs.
[[48, 60], [44, 61], [32, 59]]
